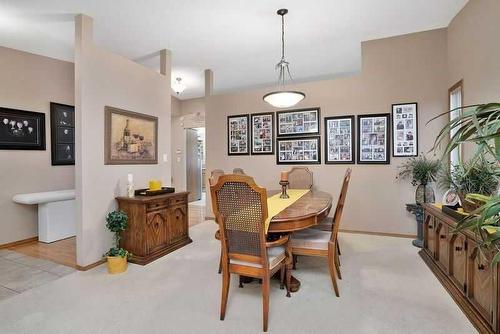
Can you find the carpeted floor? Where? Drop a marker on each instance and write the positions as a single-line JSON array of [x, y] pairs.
[[386, 288]]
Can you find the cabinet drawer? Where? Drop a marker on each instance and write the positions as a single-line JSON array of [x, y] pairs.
[[156, 206], [178, 200]]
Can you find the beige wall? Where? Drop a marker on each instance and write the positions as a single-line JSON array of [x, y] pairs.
[[30, 82], [104, 79], [400, 69]]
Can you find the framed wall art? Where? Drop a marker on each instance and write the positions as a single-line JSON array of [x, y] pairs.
[[339, 140], [298, 122], [300, 151], [262, 133], [373, 139], [238, 135], [62, 134], [21, 130], [130, 138], [405, 130]]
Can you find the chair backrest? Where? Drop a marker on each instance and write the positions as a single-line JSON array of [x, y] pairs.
[[214, 176], [340, 205], [240, 208], [238, 171], [300, 178]]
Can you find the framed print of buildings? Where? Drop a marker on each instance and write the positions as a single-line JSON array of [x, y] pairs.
[[339, 140], [303, 150], [404, 130], [262, 126], [373, 139], [300, 122], [238, 135]]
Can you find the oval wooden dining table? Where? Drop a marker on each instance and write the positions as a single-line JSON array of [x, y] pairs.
[[307, 211]]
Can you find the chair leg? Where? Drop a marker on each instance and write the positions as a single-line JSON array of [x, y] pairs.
[[265, 301], [241, 282], [282, 276], [225, 292], [331, 267], [338, 247], [294, 257], [337, 264], [220, 262]]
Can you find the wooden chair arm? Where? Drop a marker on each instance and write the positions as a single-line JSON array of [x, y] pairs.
[[279, 242]]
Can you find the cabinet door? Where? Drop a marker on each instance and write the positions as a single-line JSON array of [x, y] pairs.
[[443, 246], [429, 234], [178, 220], [458, 260], [156, 230], [480, 282]]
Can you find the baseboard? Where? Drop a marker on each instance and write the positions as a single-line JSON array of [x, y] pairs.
[[90, 266], [19, 242], [383, 234]]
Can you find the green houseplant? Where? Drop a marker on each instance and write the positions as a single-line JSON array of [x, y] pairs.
[[479, 124], [421, 171], [116, 222]]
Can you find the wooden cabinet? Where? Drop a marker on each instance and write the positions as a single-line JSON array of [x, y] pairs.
[[157, 225], [466, 274]]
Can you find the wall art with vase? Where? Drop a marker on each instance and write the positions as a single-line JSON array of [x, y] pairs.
[[21, 130]]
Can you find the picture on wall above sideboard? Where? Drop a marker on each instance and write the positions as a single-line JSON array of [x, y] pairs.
[[404, 130], [62, 134], [303, 150], [373, 139], [298, 122], [130, 137], [21, 130], [238, 135], [339, 140], [262, 133]]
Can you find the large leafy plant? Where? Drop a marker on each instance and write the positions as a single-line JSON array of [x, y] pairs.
[[420, 170], [479, 124], [470, 178], [116, 222]]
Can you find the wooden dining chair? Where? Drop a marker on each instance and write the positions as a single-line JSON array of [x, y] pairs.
[[212, 180], [239, 171], [315, 242], [300, 178], [241, 212]]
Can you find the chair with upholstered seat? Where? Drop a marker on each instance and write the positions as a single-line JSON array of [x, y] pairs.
[[240, 208], [212, 180], [238, 171], [300, 178], [315, 242]]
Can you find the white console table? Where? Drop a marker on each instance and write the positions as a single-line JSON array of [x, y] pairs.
[[56, 213]]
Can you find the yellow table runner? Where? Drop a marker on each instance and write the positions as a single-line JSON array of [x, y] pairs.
[[275, 204]]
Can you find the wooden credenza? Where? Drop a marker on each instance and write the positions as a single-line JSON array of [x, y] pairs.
[[157, 225], [455, 260]]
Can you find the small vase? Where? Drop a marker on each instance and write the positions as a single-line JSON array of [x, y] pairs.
[[117, 264], [424, 194]]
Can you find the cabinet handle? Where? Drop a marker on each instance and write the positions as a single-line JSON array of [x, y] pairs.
[[480, 267], [442, 236], [458, 248]]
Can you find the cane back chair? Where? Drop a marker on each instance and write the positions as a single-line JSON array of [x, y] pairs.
[[300, 178]]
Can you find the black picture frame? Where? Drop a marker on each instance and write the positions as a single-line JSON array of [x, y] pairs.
[[28, 127], [302, 133], [386, 145], [352, 133], [317, 140], [271, 128], [401, 116], [247, 137], [62, 134]]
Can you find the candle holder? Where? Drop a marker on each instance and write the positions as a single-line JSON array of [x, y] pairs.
[[284, 184]]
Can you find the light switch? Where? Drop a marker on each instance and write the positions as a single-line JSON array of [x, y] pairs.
[[165, 157]]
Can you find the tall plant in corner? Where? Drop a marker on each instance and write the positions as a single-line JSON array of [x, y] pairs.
[[479, 124]]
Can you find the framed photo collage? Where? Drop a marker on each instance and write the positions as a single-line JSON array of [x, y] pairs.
[[296, 139]]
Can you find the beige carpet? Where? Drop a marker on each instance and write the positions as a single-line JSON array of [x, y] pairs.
[[386, 288]]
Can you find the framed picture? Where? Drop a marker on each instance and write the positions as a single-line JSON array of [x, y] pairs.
[[373, 139], [238, 135], [339, 140], [298, 151], [298, 122], [130, 138], [262, 133], [21, 130], [405, 130], [62, 134]]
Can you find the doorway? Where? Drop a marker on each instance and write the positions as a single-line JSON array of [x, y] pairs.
[[195, 163]]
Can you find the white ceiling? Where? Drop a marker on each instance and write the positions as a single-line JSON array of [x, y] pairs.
[[239, 40]]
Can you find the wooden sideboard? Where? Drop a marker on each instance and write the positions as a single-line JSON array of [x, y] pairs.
[[157, 225], [455, 260]]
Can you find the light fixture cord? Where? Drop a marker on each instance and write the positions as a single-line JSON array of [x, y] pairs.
[[283, 64]]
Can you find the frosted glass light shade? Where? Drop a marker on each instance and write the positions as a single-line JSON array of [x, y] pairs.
[[284, 99]]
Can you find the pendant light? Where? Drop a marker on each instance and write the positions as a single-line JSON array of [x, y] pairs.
[[283, 98], [178, 86]]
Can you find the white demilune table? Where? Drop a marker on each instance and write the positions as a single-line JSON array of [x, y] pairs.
[[56, 213]]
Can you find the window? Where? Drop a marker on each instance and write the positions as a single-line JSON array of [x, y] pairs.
[[455, 95]]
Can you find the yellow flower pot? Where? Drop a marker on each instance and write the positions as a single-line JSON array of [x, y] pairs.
[[117, 264]]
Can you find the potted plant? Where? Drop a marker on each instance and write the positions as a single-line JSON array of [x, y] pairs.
[[469, 180], [422, 172], [117, 257]]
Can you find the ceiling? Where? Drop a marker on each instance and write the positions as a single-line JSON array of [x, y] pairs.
[[240, 43]]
